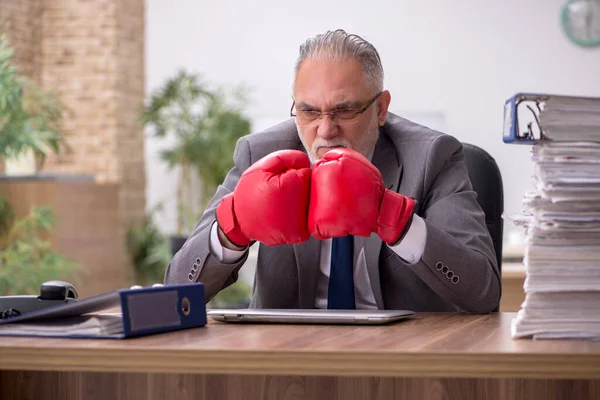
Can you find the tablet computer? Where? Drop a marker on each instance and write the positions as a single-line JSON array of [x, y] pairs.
[[316, 316]]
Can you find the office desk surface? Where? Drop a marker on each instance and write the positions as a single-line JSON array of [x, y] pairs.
[[430, 345]]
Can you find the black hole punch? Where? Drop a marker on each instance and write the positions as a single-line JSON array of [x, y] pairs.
[[58, 290]]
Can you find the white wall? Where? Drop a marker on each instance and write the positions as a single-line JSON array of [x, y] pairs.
[[452, 63]]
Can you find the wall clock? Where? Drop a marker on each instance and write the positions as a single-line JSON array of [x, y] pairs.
[[580, 21]]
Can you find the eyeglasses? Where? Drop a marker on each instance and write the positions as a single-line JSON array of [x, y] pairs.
[[341, 117]]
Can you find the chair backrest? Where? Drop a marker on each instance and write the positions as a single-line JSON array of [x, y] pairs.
[[487, 183]]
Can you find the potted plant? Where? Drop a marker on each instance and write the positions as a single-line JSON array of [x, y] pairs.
[[205, 123]]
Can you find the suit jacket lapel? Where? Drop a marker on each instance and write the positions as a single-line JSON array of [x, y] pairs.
[[386, 160]]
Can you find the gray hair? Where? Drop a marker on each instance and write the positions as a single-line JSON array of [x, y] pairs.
[[338, 46]]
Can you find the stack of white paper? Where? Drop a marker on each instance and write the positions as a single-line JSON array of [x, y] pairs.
[[562, 220]]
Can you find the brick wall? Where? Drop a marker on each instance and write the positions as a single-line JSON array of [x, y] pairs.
[[92, 52]]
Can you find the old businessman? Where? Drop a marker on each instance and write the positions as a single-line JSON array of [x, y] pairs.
[[351, 205]]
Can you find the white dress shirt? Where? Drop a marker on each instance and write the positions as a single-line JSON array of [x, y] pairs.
[[410, 249]]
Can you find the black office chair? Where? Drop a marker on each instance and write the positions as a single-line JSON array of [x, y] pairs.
[[487, 183]]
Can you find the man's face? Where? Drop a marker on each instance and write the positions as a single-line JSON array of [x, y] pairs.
[[323, 85]]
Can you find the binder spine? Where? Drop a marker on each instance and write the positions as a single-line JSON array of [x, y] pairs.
[[156, 310]]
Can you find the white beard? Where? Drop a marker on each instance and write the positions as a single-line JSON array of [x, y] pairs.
[[364, 145]]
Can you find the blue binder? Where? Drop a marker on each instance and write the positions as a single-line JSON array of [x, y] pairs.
[[522, 116], [144, 311]]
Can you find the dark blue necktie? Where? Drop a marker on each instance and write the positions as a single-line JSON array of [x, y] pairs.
[[341, 282]]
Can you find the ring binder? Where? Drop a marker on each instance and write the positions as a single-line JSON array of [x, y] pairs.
[[521, 130], [144, 311], [533, 117]]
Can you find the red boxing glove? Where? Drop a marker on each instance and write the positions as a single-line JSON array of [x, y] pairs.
[[270, 202], [348, 197]]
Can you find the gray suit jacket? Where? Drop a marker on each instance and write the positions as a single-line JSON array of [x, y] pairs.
[[415, 161]]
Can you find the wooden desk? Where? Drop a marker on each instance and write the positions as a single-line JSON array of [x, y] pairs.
[[434, 356]]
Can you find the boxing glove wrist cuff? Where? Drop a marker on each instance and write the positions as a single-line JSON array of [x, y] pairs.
[[228, 223], [404, 232], [395, 216]]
